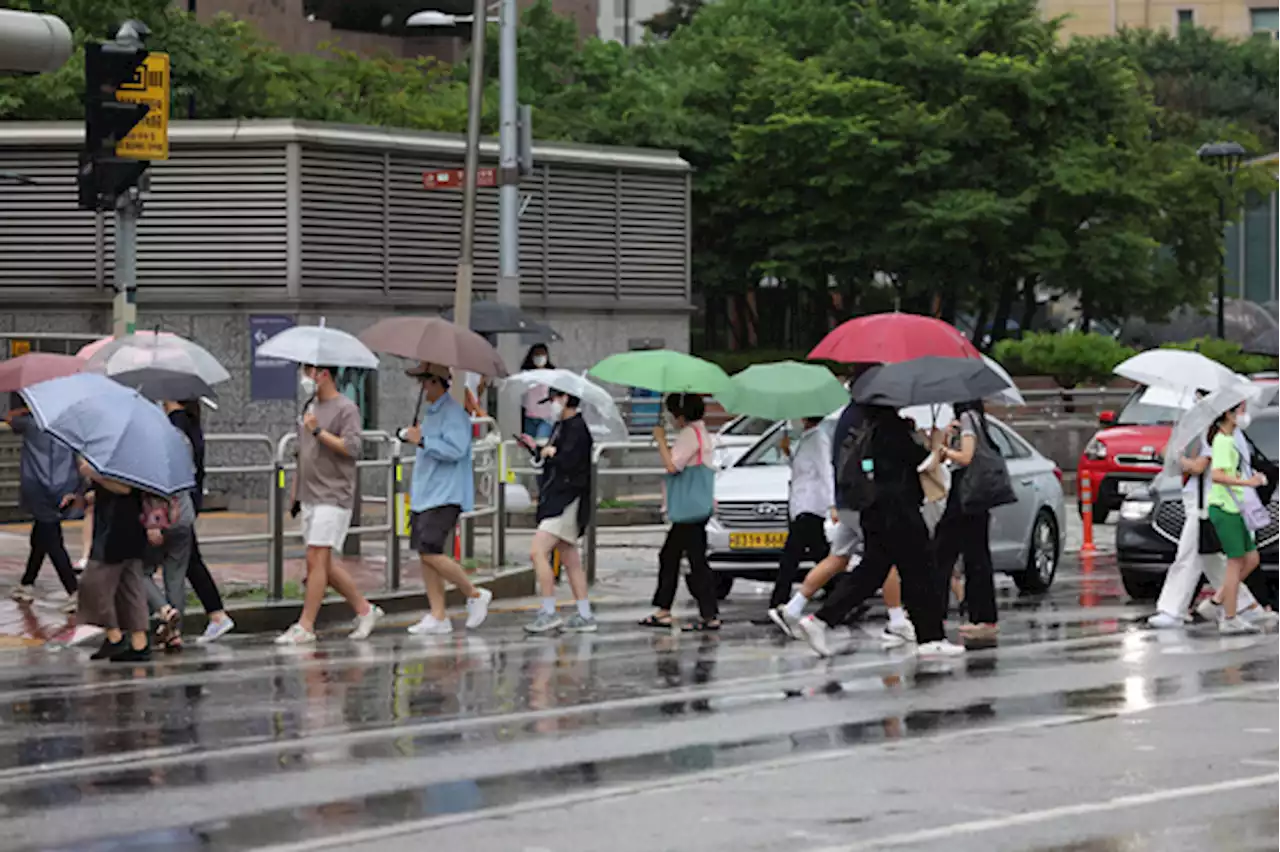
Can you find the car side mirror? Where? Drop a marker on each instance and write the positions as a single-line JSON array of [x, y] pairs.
[[1107, 418]]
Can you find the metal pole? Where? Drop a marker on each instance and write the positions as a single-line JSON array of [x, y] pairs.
[[508, 166], [124, 313], [1222, 267], [395, 486], [275, 526], [591, 519], [466, 254]]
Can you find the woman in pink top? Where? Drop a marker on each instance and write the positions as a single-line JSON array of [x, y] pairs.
[[536, 420], [686, 538]]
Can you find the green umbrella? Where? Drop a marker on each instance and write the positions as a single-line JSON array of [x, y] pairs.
[[662, 370], [784, 391]]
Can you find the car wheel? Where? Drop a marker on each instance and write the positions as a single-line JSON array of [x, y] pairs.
[[724, 584], [1141, 585], [1042, 555]]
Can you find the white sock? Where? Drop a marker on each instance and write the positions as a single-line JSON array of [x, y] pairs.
[[897, 616], [584, 609], [795, 606], [548, 606]]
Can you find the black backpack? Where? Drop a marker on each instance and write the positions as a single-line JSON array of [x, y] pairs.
[[855, 474]]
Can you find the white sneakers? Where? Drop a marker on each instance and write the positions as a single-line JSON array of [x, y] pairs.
[[940, 648], [780, 617], [1237, 627], [815, 633], [299, 635], [296, 635], [478, 608], [365, 623], [23, 594], [1165, 621], [431, 626]]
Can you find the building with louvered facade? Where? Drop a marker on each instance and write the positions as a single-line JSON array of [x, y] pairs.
[[292, 219]]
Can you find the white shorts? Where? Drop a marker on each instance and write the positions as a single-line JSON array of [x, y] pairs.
[[564, 526], [324, 525]]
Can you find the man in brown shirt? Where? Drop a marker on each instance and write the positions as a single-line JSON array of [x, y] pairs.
[[324, 490]]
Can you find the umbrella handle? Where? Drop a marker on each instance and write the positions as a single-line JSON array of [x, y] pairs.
[[417, 409]]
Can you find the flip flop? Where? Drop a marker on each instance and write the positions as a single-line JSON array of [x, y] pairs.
[[703, 626], [654, 621]]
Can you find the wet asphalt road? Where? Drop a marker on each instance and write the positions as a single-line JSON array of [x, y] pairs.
[[1081, 731]]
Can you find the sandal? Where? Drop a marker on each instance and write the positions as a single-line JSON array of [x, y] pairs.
[[654, 621], [174, 645], [702, 626]]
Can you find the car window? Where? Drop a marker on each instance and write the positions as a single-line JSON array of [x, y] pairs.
[[1263, 432], [1138, 413], [747, 426], [1009, 447], [767, 452]]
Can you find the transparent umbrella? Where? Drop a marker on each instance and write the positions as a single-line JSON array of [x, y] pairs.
[[158, 350], [598, 408]]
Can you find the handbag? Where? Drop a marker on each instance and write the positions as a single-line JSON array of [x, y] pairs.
[[1259, 462], [986, 483], [691, 493], [1209, 542], [1255, 514]]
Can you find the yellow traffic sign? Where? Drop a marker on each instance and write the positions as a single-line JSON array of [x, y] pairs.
[[149, 140]]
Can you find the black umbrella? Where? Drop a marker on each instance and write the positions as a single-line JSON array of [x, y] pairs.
[[158, 383], [497, 318], [927, 381]]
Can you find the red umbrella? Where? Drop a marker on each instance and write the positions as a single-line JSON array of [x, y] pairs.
[[890, 338], [35, 367]]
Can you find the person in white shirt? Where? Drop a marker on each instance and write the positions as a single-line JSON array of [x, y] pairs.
[[812, 498]]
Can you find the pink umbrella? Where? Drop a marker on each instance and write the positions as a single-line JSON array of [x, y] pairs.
[[35, 367], [90, 349]]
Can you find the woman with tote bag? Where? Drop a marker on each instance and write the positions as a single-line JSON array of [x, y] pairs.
[[690, 496]]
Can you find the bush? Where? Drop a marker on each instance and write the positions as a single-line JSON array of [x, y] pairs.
[[1071, 358], [1227, 353]]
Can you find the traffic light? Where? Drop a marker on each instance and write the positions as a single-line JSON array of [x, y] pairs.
[[103, 175]]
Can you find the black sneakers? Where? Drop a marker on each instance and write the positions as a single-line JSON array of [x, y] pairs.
[[129, 655], [108, 650]]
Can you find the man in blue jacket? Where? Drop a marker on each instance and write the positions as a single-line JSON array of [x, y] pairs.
[[443, 488], [47, 473]]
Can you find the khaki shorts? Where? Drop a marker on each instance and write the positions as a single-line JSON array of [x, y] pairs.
[[564, 526], [324, 525]]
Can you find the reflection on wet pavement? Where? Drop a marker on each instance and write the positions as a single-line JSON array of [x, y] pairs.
[[246, 745]]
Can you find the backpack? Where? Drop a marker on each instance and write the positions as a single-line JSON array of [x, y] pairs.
[[855, 473]]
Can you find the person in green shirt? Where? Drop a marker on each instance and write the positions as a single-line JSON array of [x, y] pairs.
[[1225, 498]]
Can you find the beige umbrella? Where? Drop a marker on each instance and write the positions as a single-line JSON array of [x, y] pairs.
[[435, 340]]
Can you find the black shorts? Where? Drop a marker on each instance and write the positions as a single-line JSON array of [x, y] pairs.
[[430, 529]]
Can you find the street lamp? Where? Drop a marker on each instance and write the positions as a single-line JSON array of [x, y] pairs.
[[1226, 157], [508, 177]]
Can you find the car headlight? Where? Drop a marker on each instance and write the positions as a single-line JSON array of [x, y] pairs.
[[1095, 450], [1136, 510]]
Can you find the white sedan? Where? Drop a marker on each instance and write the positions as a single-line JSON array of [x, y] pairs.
[[747, 532]]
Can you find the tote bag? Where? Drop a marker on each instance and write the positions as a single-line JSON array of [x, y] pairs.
[[691, 492], [985, 484]]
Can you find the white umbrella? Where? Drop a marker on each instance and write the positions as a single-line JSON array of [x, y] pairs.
[[598, 408], [929, 416], [1010, 395], [158, 350], [320, 346], [1196, 422], [1176, 369], [1185, 398]]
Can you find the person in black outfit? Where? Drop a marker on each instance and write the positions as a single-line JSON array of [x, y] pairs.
[[47, 473], [564, 509], [186, 417], [894, 533]]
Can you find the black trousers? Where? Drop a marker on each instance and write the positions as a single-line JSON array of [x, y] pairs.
[[46, 540], [690, 541], [969, 536], [894, 538], [201, 580], [806, 539]]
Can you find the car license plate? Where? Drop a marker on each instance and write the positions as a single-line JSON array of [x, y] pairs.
[[757, 541], [1130, 487]]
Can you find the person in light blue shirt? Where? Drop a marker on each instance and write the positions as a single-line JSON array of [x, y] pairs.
[[443, 487]]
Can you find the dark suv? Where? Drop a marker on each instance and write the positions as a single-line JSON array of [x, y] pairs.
[[1151, 522]]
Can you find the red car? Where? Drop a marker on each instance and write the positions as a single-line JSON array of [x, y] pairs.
[[1126, 454]]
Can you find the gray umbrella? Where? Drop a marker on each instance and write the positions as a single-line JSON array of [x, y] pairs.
[[122, 435], [497, 318], [927, 381]]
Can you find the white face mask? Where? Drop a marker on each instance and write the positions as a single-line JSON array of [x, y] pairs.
[[1243, 420], [307, 384], [557, 410], [539, 360]]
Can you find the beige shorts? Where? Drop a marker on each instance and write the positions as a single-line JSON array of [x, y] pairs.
[[564, 526], [324, 525]]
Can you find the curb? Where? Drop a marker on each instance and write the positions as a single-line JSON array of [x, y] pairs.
[[276, 616]]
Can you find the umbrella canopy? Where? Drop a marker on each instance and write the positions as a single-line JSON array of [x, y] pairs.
[[926, 381], [436, 341], [662, 370], [1193, 425], [90, 349], [121, 434], [1177, 370], [929, 416], [784, 391], [498, 318], [35, 367], [154, 349], [890, 338], [155, 383], [1009, 395], [319, 346], [598, 408]]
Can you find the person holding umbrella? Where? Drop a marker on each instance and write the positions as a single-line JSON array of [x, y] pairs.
[[443, 488], [564, 510], [1227, 501], [324, 493], [535, 415]]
